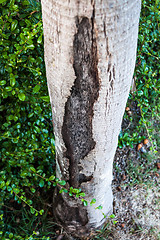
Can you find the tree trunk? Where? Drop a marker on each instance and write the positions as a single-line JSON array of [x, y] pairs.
[[90, 52]]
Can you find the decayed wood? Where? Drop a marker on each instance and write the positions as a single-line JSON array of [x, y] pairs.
[[77, 125], [90, 50]]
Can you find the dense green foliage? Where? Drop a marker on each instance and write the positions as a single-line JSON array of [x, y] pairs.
[[26, 138], [26, 127], [147, 80], [148, 70]]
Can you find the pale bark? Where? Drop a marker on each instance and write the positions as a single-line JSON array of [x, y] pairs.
[[90, 52]]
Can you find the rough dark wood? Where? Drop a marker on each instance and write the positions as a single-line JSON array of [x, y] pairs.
[[74, 218], [77, 125]]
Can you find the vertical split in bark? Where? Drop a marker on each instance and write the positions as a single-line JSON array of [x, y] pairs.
[[77, 125]]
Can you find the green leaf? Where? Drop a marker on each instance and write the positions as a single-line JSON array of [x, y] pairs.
[[31, 46], [4, 94], [12, 81], [18, 125], [11, 235], [14, 25], [62, 182], [32, 210], [85, 203], [51, 178], [41, 183], [2, 1], [33, 169], [21, 96], [8, 89], [99, 207], [10, 117], [140, 93], [39, 39], [61, 191], [30, 115], [33, 190], [82, 194], [65, 190], [112, 216], [49, 183], [93, 201], [75, 190], [36, 88], [41, 212], [16, 190], [114, 222], [2, 184], [45, 98], [3, 82], [15, 118], [9, 188], [37, 129]]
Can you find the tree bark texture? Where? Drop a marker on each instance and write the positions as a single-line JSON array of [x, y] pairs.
[[90, 52]]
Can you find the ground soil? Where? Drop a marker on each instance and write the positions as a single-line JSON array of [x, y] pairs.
[[136, 206]]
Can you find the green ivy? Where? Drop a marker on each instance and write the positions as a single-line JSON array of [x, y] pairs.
[[148, 69], [147, 94], [26, 136]]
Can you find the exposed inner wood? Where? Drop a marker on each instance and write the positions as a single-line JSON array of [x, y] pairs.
[[77, 124], [73, 216]]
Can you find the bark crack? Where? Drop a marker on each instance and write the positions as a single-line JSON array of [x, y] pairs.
[[77, 123], [110, 68]]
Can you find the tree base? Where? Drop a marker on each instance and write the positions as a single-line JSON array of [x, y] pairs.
[[73, 216], [70, 214]]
